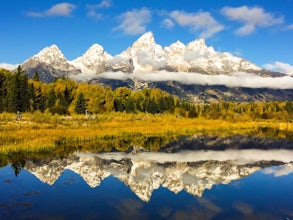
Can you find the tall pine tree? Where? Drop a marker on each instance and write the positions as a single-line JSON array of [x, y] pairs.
[[2, 90], [11, 98], [80, 105], [22, 86]]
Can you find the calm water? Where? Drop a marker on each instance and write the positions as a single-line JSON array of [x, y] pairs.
[[197, 184]]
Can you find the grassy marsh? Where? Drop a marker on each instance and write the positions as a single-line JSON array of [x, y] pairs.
[[44, 131]]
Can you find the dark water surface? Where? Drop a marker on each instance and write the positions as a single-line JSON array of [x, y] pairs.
[[189, 184]]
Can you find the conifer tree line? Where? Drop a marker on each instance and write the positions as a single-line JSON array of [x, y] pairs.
[[65, 96]]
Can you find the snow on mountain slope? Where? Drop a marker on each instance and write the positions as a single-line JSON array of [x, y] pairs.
[[50, 63], [94, 60], [196, 56], [54, 57], [175, 57], [146, 55], [144, 175], [120, 62], [7, 66]]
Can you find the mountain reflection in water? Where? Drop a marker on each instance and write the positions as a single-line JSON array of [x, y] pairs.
[[144, 172]]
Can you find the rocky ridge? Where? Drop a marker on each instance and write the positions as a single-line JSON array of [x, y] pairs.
[[50, 63], [144, 62], [144, 56]]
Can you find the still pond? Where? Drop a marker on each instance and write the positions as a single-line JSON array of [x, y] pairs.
[[175, 183]]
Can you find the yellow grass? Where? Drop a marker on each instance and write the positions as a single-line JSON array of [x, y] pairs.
[[40, 131]]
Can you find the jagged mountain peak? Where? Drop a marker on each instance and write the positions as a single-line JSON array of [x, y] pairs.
[[145, 54], [52, 48], [148, 36], [94, 52], [50, 54], [177, 47], [97, 48], [199, 44], [178, 44], [147, 40], [93, 60], [50, 63]]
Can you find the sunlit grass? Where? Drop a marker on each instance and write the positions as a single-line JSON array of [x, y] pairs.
[[41, 131]]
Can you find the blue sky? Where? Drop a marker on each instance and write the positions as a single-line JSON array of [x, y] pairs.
[[260, 31]]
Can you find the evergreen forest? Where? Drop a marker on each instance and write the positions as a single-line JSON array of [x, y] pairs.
[[67, 97]]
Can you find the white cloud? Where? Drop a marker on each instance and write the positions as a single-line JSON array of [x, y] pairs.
[[201, 21], [114, 75], [61, 9], [289, 27], [167, 23], [94, 14], [104, 4], [235, 156], [239, 79], [280, 67], [83, 76], [283, 170], [92, 8], [134, 22], [251, 17], [236, 80]]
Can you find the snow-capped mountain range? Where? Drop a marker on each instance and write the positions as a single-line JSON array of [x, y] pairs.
[[144, 56], [194, 72], [146, 172], [143, 177]]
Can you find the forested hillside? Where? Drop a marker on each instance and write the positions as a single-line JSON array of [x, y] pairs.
[[65, 96]]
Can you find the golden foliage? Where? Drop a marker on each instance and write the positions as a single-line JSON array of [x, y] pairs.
[[41, 131]]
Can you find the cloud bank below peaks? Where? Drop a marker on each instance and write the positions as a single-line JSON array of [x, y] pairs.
[[237, 79]]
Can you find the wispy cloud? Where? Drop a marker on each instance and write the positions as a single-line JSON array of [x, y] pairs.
[[92, 9], [251, 17], [104, 4], [280, 170], [63, 9], [94, 14], [280, 67], [167, 23], [289, 27], [201, 22], [134, 22]]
